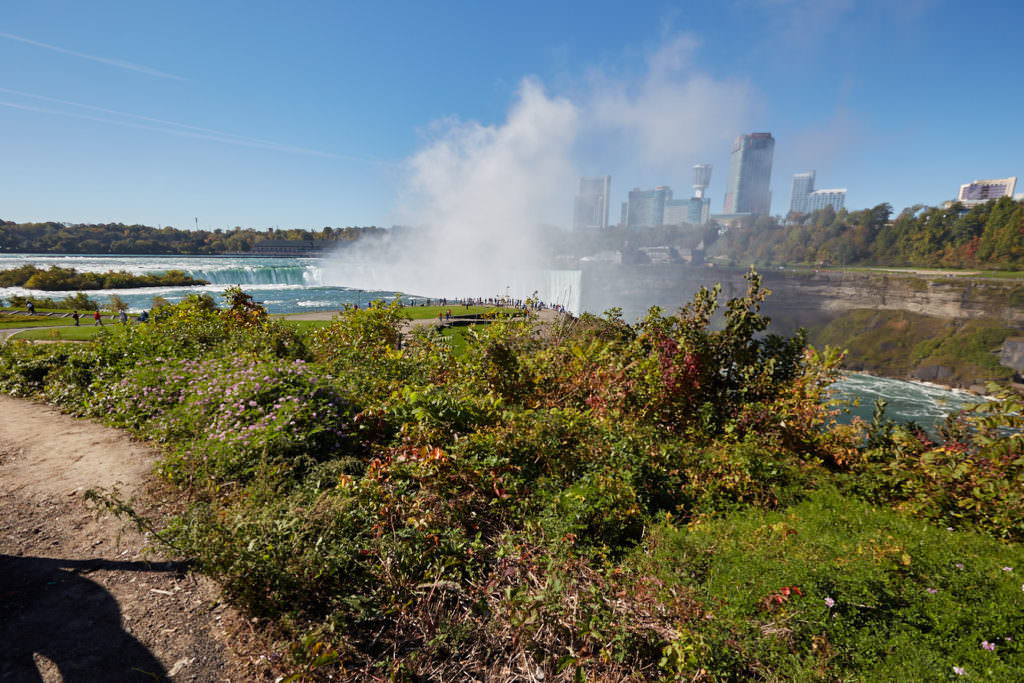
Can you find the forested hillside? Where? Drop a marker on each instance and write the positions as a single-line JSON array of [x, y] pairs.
[[117, 238], [990, 235]]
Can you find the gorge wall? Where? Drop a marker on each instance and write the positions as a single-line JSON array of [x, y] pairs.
[[804, 298]]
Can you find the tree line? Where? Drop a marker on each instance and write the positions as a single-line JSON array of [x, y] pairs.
[[990, 235], [117, 238], [57, 279]]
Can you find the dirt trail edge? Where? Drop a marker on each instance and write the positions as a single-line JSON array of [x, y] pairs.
[[79, 600]]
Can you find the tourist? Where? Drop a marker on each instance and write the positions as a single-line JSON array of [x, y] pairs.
[[122, 317], [97, 318], [31, 308], [74, 316]]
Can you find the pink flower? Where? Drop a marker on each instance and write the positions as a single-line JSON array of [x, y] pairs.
[[958, 670], [985, 645], [830, 602]]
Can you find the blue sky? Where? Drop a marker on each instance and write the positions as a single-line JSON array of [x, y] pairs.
[[308, 114]]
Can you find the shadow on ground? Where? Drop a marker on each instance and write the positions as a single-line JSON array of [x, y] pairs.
[[49, 608]]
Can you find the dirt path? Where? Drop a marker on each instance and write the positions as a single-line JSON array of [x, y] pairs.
[[79, 600]]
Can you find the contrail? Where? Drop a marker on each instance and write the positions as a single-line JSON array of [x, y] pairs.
[[102, 60], [171, 127], [244, 142]]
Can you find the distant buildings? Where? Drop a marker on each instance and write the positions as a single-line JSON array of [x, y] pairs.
[[750, 175], [803, 186], [647, 207], [805, 199], [591, 208], [651, 208], [819, 199], [980, 191], [699, 208], [677, 211]]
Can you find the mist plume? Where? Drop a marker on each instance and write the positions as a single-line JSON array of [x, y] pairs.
[[480, 197]]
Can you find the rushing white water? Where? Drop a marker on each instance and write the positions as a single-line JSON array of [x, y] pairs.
[[288, 285], [920, 402]]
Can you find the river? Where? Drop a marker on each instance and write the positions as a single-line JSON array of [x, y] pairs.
[[290, 285]]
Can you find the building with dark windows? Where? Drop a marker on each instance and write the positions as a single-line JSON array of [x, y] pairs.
[[750, 175], [803, 186], [647, 207], [591, 208], [980, 191]]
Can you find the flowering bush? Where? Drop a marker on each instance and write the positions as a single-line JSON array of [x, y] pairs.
[[226, 416]]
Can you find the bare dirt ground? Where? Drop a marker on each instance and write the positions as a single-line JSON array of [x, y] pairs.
[[79, 599]]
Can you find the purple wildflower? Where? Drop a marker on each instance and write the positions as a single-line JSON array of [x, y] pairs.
[[985, 645]]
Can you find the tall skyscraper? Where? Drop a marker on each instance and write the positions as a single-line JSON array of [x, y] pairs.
[[591, 208], [750, 174], [803, 185], [647, 207]]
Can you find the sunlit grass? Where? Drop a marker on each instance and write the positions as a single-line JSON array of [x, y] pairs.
[[64, 332]]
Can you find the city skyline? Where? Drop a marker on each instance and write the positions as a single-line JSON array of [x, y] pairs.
[[261, 115]]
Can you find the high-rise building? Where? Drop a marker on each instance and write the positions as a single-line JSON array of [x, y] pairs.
[[677, 212], [624, 214], [591, 207], [803, 185], [980, 191], [647, 207], [819, 199], [750, 175]]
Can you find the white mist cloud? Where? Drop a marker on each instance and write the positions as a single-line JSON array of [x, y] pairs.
[[481, 192], [483, 188]]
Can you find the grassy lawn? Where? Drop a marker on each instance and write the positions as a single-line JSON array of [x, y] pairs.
[[457, 337], [306, 325], [422, 312], [66, 333], [32, 321]]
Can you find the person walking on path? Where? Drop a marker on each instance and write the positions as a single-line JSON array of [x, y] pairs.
[[97, 318], [31, 308], [74, 316], [122, 317]]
